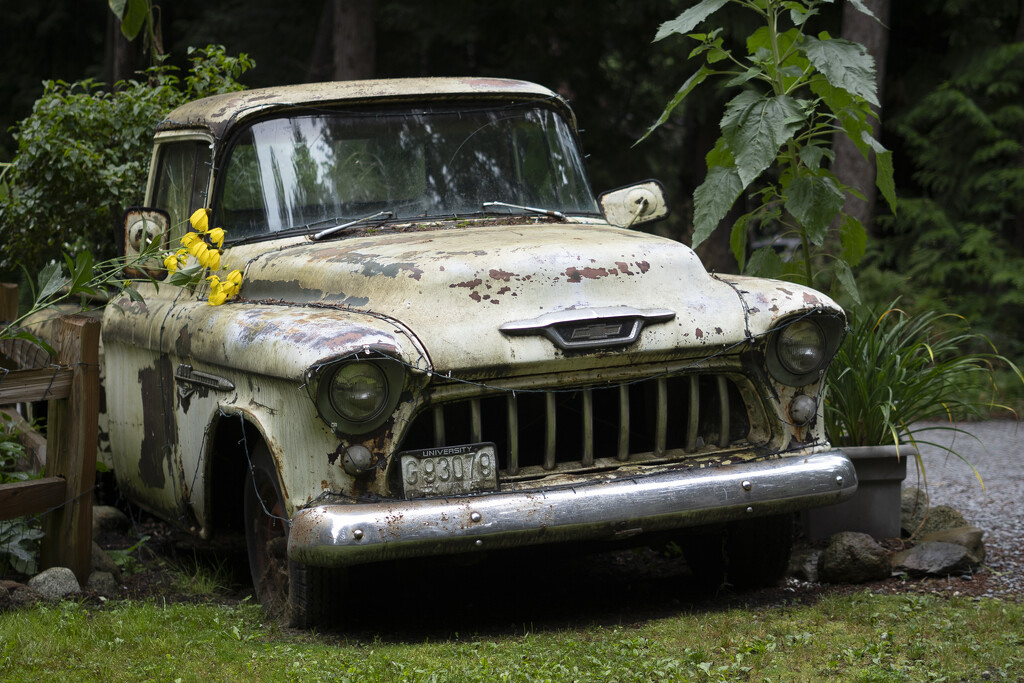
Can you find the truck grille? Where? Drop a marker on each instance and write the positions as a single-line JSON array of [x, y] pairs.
[[537, 432]]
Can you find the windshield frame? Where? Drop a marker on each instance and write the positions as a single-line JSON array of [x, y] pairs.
[[553, 123]]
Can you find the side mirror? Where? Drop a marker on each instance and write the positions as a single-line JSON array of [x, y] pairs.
[[145, 234], [634, 205]]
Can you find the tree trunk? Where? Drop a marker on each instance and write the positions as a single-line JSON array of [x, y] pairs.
[[355, 46], [121, 54], [345, 45], [849, 165]]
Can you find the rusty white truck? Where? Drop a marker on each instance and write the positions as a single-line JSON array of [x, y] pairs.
[[444, 344]]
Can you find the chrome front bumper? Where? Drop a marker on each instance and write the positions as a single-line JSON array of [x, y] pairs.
[[349, 534]]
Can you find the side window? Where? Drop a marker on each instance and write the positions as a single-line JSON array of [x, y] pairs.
[[182, 180]]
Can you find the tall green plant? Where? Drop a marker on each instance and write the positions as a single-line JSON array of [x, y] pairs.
[[796, 91]]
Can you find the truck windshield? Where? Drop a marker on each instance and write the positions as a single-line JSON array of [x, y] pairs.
[[297, 171]]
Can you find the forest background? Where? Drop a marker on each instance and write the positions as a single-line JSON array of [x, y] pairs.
[[951, 74]]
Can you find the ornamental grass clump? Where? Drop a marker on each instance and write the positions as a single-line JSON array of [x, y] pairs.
[[899, 376]]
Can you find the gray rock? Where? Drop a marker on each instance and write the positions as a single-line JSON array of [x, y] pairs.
[[934, 558], [967, 536], [55, 583], [913, 506], [853, 557], [803, 565], [103, 562], [940, 518], [108, 518], [103, 583], [6, 602]]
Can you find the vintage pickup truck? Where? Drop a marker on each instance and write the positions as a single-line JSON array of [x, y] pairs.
[[444, 344]]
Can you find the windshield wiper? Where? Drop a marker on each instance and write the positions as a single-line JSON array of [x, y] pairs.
[[546, 212], [338, 228]]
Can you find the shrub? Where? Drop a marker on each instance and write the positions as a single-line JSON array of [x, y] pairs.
[[83, 156]]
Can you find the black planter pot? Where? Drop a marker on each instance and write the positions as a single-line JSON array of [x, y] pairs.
[[875, 508]]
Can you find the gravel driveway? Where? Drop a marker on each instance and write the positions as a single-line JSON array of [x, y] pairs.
[[996, 449]]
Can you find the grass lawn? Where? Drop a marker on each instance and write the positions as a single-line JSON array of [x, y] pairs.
[[859, 636]]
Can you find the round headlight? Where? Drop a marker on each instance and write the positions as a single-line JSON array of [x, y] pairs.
[[801, 347], [359, 391]]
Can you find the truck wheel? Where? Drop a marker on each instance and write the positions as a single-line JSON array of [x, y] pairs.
[[748, 554], [758, 551], [298, 593]]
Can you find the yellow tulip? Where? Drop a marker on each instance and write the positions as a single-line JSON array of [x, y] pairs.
[[217, 298], [198, 249], [217, 237], [212, 259], [171, 262], [189, 239], [236, 277], [200, 220]]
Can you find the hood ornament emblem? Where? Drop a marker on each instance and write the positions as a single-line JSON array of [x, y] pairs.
[[577, 329]]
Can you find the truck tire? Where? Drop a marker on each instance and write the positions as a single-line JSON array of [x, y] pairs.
[[301, 595], [747, 554]]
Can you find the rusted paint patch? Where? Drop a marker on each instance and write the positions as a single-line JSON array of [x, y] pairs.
[[468, 283], [699, 333], [332, 458], [502, 275], [644, 266], [811, 300], [159, 436], [623, 267], [475, 296], [577, 274]]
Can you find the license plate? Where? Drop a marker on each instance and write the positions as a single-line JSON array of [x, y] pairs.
[[450, 470]]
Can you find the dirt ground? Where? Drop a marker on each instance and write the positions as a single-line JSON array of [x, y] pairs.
[[538, 589]]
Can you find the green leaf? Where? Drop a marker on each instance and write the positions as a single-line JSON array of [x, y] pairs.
[[853, 238], [713, 199], [748, 75], [814, 200], [133, 294], [692, 82], [738, 239], [135, 15], [883, 168], [185, 277], [689, 19], [755, 126], [845, 276], [884, 178], [811, 155], [765, 262], [51, 279], [82, 273], [862, 8], [846, 65], [117, 7]]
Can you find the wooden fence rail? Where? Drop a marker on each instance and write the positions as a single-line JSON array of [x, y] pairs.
[[72, 387]]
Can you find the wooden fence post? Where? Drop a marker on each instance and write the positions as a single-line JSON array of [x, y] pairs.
[[8, 302], [72, 427]]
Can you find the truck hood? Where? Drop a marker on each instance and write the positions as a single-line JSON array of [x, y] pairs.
[[480, 299]]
